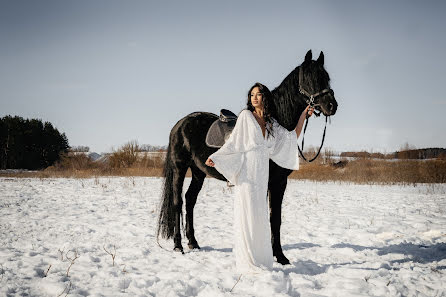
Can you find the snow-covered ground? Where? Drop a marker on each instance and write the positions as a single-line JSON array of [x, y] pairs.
[[58, 236]]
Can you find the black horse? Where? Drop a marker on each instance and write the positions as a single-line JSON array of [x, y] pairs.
[[187, 149]]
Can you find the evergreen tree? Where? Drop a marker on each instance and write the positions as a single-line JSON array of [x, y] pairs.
[[29, 144]]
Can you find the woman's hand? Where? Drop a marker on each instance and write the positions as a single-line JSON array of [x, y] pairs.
[[209, 162], [309, 111]]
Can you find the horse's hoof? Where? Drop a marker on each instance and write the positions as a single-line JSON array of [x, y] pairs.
[[282, 260], [193, 246], [179, 249]]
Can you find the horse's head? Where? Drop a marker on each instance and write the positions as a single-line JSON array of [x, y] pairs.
[[308, 83], [314, 85]]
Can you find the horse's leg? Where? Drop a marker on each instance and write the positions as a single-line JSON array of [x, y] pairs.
[[276, 197], [178, 181], [191, 198], [277, 186]]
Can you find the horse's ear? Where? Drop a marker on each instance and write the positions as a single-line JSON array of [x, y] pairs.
[[308, 56], [320, 60]]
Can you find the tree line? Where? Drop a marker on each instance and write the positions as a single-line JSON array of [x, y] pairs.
[[420, 154], [29, 143]]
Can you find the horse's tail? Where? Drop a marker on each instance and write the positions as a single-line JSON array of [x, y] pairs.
[[166, 220]]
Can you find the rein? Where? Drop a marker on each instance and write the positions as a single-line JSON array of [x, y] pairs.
[[310, 100], [303, 138]]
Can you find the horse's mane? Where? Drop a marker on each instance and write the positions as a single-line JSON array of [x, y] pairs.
[[284, 98]]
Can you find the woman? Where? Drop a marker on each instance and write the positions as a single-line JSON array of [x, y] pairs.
[[244, 161]]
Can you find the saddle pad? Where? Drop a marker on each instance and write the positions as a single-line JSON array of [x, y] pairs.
[[219, 132]]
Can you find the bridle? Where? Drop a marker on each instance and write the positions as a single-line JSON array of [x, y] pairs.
[[311, 100]]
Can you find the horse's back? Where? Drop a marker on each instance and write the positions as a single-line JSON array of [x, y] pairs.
[[194, 123], [187, 142], [190, 132]]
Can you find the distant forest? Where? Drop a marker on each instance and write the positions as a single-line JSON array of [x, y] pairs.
[[426, 153], [29, 144]]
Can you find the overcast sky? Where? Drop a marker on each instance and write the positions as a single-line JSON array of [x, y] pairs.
[[107, 72]]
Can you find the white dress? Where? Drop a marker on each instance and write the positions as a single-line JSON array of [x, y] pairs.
[[244, 161]]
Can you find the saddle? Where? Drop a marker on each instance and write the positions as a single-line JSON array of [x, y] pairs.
[[221, 128]]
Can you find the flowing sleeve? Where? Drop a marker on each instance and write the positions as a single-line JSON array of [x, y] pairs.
[[229, 158], [284, 152]]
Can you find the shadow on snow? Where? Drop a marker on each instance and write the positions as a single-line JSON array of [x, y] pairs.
[[422, 254]]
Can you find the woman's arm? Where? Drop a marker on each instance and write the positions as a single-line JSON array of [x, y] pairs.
[[301, 121]]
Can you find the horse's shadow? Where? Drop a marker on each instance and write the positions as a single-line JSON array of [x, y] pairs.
[[209, 249], [307, 267], [300, 246], [422, 254], [413, 252]]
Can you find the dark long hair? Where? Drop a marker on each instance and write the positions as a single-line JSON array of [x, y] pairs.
[[268, 107]]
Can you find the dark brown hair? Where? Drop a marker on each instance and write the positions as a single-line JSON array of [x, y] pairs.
[[267, 98]]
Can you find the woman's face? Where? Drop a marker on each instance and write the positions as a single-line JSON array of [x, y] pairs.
[[256, 98]]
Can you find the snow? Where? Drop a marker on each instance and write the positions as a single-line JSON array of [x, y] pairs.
[[342, 240]]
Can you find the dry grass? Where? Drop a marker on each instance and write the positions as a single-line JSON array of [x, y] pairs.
[[126, 161], [376, 171], [363, 171], [118, 164]]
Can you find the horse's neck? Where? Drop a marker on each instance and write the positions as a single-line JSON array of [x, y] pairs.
[[289, 103]]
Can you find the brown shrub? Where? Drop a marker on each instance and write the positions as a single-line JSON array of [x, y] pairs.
[[150, 161], [124, 157], [73, 162]]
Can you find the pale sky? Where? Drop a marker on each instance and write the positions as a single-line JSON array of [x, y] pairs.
[[107, 72]]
